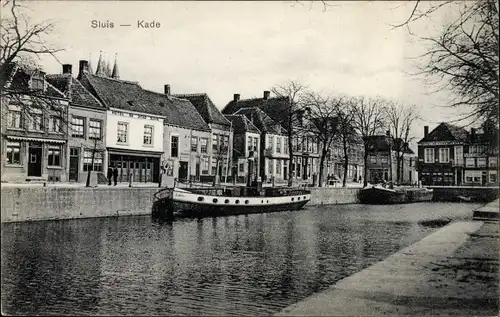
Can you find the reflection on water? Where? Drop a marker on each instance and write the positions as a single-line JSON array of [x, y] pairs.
[[237, 265]]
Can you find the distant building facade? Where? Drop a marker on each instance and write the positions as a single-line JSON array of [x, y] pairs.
[[450, 155]]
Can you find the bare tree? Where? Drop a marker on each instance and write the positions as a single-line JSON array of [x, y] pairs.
[[400, 118], [368, 119], [464, 57], [292, 116], [321, 111], [346, 132], [21, 40]]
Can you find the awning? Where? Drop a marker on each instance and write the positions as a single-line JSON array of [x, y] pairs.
[[127, 152], [22, 138]]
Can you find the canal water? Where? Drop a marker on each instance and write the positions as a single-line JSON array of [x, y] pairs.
[[237, 265]]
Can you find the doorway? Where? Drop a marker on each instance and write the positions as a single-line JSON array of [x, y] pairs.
[[74, 160], [197, 171], [183, 170], [35, 159]]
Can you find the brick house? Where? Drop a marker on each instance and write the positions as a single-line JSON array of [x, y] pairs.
[[34, 128], [87, 122], [221, 137], [246, 148], [450, 155]]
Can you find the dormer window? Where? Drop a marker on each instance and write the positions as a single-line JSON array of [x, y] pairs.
[[37, 82]]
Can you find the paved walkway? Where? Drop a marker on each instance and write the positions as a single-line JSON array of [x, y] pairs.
[[488, 212], [453, 271]]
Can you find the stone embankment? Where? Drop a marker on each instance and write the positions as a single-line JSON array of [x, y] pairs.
[[30, 203], [453, 271]]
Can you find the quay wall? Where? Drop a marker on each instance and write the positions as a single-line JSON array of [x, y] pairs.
[[56, 203], [452, 193], [32, 204]]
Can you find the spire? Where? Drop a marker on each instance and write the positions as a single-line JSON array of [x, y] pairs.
[[116, 73], [89, 67], [107, 68], [100, 66]]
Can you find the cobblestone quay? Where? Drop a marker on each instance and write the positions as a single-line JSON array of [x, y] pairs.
[[237, 265]]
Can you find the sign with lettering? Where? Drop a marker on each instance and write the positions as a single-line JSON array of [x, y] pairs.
[[431, 143]]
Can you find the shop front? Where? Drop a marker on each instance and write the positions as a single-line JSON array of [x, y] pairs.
[[135, 166]]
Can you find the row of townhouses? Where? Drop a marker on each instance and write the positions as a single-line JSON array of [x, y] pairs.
[[451, 155], [94, 120]]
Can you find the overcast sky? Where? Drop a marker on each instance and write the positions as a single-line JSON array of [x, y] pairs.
[[223, 48]]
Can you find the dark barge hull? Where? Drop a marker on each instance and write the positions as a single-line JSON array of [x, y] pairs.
[[382, 196]]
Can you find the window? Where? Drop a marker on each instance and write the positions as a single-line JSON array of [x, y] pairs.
[[444, 155], [278, 145], [13, 153], [215, 143], [429, 155], [54, 158], [459, 155], [493, 177], [373, 159], [309, 145], [204, 165], [203, 146], [285, 149], [55, 124], [255, 143], [481, 162], [473, 176], [36, 122], [87, 161], [14, 119], [271, 143], [122, 133], [493, 161], [77, 127], [242, 167], [194, 144], [270, 167], [174, 146], [470, 162], [95, 129], [37, 82], [278, 167], [147, 138], [384, 159], [249, 143]]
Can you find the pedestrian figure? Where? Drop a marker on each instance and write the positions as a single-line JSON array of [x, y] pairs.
[[110, 175], [115, 174]]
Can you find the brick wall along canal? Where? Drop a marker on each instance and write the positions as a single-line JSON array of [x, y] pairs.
[[252, 265]]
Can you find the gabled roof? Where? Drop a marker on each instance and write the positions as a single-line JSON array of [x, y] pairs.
[[382, 143], [75, 91], [277, 108], [131, 96], [446, 132], [261, 120], [241, 124], [18, 78], [205, 108]]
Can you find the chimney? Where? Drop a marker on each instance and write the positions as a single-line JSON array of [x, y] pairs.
[[67, 68], [426, 131], [83, 66], [166, 89], [236, 97], [266, 94]]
